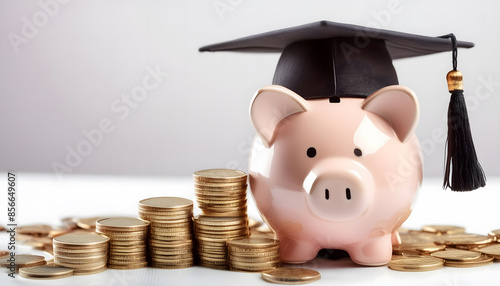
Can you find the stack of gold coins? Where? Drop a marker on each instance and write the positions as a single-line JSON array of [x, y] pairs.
[[253, 254], [212, 234], [170, 234], [221, 192], [86, 253], [128, 241]]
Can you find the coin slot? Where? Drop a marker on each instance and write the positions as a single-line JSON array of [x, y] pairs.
[[348, 193], [327, 194]]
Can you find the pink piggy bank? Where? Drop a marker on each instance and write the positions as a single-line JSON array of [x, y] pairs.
[[336, 175]]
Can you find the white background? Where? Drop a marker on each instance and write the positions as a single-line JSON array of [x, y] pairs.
[[66, 75]]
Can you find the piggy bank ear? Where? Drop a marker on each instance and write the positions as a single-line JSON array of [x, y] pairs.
[[398, 105], [269, 106]]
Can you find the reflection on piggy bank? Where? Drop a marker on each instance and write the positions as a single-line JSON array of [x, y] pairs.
[[335, 173]]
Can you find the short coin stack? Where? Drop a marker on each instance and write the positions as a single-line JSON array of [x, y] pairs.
[[212, 234], [128, 241], [253, 254], [86, 253], [221, 192], [170, 234]]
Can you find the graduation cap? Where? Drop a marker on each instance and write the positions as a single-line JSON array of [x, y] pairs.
[[334, 60]]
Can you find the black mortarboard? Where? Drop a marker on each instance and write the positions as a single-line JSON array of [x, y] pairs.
[[326, 59], [331, 60]]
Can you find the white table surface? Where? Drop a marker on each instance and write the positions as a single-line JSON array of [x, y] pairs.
[[43, 198]]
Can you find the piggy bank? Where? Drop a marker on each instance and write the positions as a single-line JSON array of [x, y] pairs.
[[336, 174]]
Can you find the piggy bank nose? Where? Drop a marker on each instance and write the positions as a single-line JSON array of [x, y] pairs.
[[340, 189]]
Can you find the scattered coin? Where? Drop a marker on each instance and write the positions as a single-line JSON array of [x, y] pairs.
[[291, 276], [87, 223], [481, 261], [456, 255], [25, 260], [443, 229], [35, 229], [46, 272], [496, 234], [416, 264], [493, 250], [4, 253], [463, 239]]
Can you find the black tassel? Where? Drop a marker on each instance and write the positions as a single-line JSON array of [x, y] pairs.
[[462, 166]]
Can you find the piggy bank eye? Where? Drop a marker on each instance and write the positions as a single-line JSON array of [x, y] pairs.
[[358, 152], [311, 152]]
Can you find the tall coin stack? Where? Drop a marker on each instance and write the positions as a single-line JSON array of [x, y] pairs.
[[212, 234], [170, 234], [86, 253], [127, 245], [253, 254], [221, 196], [221, 192]]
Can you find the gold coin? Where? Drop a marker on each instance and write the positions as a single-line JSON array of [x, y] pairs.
[[239, 193], [174, 246], [218, 229], [160, 203], [220, 174], [4, 253], [222, 198], [252, 243], [491, 250], [219, 267], [238, 249], [443, 229], [481, 261], [127, 262], [181, 214], [80, 260], [33, 241], [81, 240], [35, 229], [25, 260], [88, 223], [83, 258], [259, 268], [251, 259], [418, 237], [221, 221], [80, 250], [275, 253], [416, 264], [128, 266], [131, 243], [160, 219], [213, 261], [59, 230], [46, 272], [123, 256], [291, 276], [417, 248], [184, 223], [82, 255], [456, 254], [225, 214], [89, 271], [69, 222], [142, 237], [166, 266], [495, 233], [217, 205], [463, 239], [122, 223]]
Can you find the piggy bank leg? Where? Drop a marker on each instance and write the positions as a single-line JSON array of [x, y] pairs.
[[375, 252], [295, 251]]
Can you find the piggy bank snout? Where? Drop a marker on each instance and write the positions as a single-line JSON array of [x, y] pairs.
[[339, 190]]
